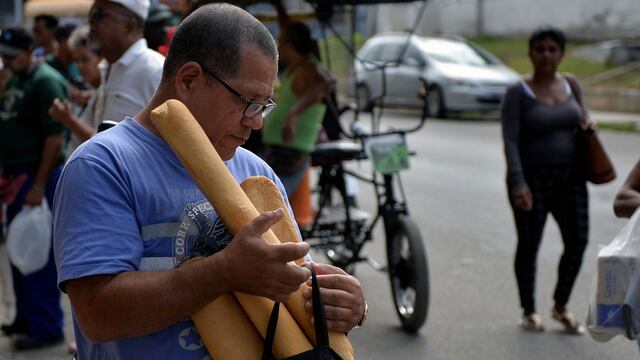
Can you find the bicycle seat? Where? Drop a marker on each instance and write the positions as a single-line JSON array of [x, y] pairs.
[[334, 152]]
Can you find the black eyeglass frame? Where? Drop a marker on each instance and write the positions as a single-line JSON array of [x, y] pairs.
[[97, 14], [264, 108]]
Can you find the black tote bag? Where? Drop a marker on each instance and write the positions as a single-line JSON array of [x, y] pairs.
[[322, 350]]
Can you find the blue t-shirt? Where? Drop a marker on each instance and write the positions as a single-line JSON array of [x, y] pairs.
[[126, 203]]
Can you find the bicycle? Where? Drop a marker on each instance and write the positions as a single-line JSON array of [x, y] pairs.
[[341, 229]]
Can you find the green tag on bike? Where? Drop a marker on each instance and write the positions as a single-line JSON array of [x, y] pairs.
[[389, 153]]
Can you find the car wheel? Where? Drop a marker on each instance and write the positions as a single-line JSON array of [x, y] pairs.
[[436, 103], [363, 98]]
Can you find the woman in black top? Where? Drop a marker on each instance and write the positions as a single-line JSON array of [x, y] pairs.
[[540, 121]]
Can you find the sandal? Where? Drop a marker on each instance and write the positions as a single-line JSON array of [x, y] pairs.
[[532, 322], [568, 320]]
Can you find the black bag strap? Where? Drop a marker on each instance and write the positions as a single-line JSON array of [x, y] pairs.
[[320, 322]]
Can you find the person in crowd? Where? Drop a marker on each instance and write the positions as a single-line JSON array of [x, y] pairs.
[[158, 26], [628, 198], [541, 116], [82, 126], [290, 134], [62, 59], [44, 28], [31, 143], [132, 273], [130, 70]]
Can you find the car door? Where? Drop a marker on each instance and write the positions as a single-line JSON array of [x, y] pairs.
[[404, 79], [369, 73]]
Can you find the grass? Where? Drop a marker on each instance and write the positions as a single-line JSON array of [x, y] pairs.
[[513, 52], [338, 59], [629, 126]]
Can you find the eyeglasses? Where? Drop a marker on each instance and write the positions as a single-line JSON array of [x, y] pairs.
[[97, 14], [253, 108]]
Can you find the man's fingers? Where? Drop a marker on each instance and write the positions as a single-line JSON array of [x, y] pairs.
[[262, 223], [326, 269], [292, 251]]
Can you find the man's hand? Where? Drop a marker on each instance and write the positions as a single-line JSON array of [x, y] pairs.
[[342, 296], [256, 267], [34, 196], [523, 199]]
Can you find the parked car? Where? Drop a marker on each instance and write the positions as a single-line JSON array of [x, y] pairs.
[[461, 76]]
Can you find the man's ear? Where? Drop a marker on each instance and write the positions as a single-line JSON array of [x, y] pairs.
[[187, 78]]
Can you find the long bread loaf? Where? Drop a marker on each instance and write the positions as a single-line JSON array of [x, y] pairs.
[[266, 197], [182, 132]]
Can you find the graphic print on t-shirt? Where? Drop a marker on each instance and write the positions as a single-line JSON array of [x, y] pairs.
[[201, 232]]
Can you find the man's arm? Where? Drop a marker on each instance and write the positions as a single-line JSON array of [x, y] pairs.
[[138, 303], [628, 198], [61, 112], [51, 152]]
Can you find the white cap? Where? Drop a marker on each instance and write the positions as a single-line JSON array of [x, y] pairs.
[[138, 7]]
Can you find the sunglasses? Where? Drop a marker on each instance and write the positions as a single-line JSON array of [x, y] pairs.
[[98, 14], [252, 108]]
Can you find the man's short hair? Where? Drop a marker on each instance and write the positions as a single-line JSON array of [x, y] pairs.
[[213, 36], [63, 32], [50, 21]]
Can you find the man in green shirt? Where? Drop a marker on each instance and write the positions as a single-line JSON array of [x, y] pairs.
[[31, 143]]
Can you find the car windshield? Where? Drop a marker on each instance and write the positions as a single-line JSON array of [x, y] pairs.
[[453, 52]]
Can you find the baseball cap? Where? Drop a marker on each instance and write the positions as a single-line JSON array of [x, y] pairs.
[[138, 7], [14, 40]]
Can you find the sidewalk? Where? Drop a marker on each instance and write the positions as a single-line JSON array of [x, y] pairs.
[[58, 352], [619, 118]]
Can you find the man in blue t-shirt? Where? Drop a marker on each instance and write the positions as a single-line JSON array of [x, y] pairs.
[[128, 214]]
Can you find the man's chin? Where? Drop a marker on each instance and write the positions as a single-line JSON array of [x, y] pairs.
[[227, 154]]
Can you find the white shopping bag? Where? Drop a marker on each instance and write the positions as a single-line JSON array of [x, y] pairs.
[[29, 238]]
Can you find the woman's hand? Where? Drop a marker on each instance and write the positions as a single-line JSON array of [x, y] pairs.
[[588, 124], [60, 111], [289, 128], [523, 199], [79, 97]]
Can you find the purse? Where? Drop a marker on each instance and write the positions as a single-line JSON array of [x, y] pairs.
[[322, 351], [596, 163]]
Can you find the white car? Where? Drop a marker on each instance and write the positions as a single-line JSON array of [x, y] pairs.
[[460, 76]]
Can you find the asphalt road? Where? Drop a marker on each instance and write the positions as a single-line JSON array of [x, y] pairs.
[[457, 196]]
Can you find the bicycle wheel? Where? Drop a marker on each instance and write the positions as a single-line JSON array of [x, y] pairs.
[[409, 274]]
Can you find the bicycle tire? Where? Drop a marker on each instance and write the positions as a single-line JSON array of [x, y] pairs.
[[408, 274]]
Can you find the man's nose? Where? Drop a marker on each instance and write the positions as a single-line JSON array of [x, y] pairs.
[[255, 122]]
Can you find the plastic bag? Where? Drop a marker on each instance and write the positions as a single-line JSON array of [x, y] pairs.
[[615, 306], [29, 238]]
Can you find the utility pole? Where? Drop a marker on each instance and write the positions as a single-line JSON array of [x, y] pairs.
[[480, 18]]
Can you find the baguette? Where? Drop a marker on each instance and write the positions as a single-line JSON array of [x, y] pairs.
[[182, 132], [266, 197]]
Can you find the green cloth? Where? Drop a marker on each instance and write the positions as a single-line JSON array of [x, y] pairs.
[[70, 73], [307, 126], [24, 116]]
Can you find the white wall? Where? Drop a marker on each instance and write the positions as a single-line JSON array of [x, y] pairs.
[[579, 18]]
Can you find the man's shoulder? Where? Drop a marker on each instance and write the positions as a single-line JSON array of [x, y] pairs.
[[46, 74], [150, 60], [106, 145]]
